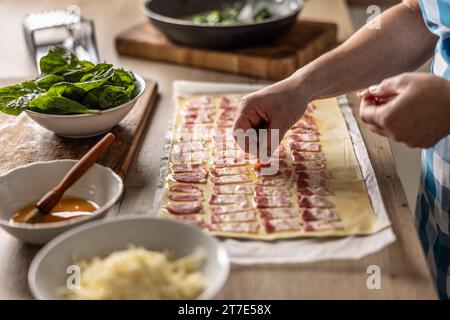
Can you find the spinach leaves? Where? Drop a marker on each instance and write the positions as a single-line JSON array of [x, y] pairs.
[[70, 86]]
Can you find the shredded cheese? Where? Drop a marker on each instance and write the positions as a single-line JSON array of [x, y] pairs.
[[137, 273]]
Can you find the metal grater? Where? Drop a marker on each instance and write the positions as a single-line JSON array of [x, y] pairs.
[[63, 27]]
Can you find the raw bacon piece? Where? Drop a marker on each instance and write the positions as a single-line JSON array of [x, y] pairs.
[[186, 197], [240, 178], [200, 103], [191, 177], [320, 191], [180, 168], [280, 225], [272, 191], [308, 165], [224, 123], [188, 137], [186, 188], [305, 127], [314, 214], [272, 172], [226, 171], [271, 202], [228, 115], [278, 213], [314, 201], [305, 183], [229, 162], [313, 175], [229, 102], [189, 158], [305, 137], [305, 146], [192, 219], [303, 131], [230, 208], [232, 189], [233, 153], [226, 145], [322, 225], [235, 227], [271, 181], [234, 217], [227, 198], [307, 156], [189, 147], [185, 208]]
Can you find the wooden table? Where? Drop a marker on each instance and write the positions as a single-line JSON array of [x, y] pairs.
[[403, 267]]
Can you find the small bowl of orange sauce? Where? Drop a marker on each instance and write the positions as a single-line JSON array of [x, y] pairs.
[[88, 199]]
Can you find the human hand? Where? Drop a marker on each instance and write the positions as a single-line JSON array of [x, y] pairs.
[[409, 108], [276, 107]]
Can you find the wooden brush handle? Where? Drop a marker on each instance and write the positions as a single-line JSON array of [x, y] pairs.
[[47, 202]]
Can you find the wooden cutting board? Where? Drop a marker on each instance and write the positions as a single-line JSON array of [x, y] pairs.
[[23, 141], [275, 61]]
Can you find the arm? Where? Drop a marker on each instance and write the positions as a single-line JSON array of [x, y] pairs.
[[403, 43]]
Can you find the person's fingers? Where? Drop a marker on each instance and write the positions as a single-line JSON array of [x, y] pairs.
[[388, 87]]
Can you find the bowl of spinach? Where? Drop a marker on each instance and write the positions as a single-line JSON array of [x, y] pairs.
[[72, 97]]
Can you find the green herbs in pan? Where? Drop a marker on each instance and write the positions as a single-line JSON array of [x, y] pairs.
[[70, 86], [229, 15]]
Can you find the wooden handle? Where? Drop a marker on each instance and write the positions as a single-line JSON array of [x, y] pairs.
[[47, 202]]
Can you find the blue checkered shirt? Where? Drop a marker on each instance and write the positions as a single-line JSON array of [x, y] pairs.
[[433, 200]]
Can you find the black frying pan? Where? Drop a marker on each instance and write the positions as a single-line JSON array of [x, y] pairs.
[[167, 16]]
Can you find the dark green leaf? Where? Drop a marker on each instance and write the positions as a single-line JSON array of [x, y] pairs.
[[58, 60], [58, 105]]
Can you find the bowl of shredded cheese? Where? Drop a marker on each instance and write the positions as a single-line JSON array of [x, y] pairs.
[[130, 258]]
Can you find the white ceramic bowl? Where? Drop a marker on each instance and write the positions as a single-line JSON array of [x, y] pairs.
[[48, 269], [27, 184], [86, 125]]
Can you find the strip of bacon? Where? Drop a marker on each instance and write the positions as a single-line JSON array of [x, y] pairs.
[[314, 201], [306, 183], [232, 189], [315, 214], [185, 208], [271, 181], [271, 202], [229, 162], [281, 225], [191, 177], [278, 213], [240, 178], [225, 123], [322, 225], [307, 156], [189, 158], [272, 191], [305, 146], [189, 147], [186, 188], [180, 168], [227, 198], [229, 102], [234, 217], [227, 171], [235, 227], [230, 208], [305, 137], [308, 165], [186, 197]]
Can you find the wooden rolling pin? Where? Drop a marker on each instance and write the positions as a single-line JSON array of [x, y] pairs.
[[51, 198]]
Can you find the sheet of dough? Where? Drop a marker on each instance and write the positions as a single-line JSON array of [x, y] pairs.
[[351, 198]]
